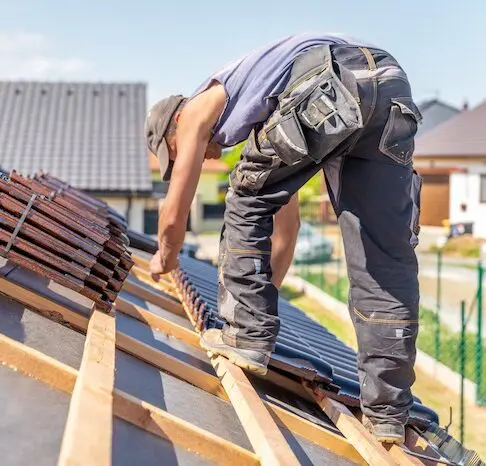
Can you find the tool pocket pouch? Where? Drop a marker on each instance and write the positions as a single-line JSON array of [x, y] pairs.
[[315, 114], [256, 164], [397, 140], [416, 190]]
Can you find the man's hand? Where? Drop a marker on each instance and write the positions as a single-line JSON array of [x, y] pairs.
[[164, 261]]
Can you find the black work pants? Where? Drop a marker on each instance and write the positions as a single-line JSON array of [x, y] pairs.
[[375, 193]]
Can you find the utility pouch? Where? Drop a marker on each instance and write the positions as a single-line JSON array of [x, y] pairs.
[[316, 112]]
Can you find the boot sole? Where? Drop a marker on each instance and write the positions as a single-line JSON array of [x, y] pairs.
[[236, 360]]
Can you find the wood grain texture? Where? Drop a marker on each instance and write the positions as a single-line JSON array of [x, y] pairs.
[[88, 434], [265, 436], [131, 409], [37, 365], [364, 442], [154, 297], [158, 323], [180, 432]]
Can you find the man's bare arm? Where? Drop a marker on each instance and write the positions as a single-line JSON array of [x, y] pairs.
[[193, 133], [284, 239]]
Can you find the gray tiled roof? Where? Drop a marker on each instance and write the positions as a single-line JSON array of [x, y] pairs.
[[463, 135], [434, 113], [88, 134]]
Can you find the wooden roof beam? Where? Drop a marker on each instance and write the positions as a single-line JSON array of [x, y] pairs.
[[62, 377], [89, 428]]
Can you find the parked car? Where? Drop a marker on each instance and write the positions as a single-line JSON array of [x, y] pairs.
[[312, 246]]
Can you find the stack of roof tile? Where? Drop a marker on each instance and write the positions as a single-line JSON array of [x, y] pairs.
[[61, 233]]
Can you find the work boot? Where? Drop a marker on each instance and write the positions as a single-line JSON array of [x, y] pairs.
[[386, 432], [252, 360]]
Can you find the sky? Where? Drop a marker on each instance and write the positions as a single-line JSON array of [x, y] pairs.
[[174, 45]]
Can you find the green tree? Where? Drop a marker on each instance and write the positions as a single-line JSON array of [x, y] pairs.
[[232, 156]]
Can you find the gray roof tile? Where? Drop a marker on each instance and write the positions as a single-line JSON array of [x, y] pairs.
[[462, 135], [434, 113], [88, 134]]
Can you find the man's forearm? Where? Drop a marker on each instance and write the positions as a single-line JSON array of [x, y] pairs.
[[284, 239], [282, 255]]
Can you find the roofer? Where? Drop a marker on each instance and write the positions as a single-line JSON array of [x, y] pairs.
[[304, 104]]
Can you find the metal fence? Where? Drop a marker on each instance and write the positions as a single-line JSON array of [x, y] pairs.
[[450, 333]]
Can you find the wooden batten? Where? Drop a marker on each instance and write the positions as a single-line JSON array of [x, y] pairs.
[[366, 444], [265, 436], [152, 296], [89, 428], [129, 408], [156, 322]]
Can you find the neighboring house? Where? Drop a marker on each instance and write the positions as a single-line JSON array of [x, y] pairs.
[[209, 187], [434, 112], [208, 205], [89, 134], [452, 160]]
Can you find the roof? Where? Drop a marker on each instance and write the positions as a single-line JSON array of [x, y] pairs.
[[136, 379], [434, 113], [461, 136], [88, 134]]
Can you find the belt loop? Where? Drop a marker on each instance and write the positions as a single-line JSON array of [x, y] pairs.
[[369, 58]]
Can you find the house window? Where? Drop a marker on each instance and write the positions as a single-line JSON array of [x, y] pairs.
[[482, 189]]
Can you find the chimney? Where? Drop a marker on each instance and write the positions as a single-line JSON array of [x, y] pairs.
[[465, 106]]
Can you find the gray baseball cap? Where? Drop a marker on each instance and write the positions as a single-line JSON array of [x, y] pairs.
[[156, 124]]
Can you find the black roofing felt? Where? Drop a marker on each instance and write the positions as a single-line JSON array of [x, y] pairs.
[[88, 134], [300, 338]]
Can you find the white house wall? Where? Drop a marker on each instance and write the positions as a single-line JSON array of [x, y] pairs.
[[136, 212], [464, 188]]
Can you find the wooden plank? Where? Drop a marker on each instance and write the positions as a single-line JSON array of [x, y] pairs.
[[139, 413], [157, 322], [417, 444], [266, 438], [174, 366], [396, 451], [37, 365], [402, 458], [44, 305], [152, 296], [316, 434], [311, 432], [141, 262], [145, 276], [180, 432], [366, 444], [89, 427]]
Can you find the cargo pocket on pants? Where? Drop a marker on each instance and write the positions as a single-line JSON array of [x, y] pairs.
[[397, 140], [256, 164], [416, 191]]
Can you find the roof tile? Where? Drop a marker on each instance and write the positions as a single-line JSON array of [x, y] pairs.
[[88, 134]]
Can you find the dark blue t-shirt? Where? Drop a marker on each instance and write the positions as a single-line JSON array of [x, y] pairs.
[[251, 80]]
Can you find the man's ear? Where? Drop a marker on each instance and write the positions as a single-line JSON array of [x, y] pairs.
[[177, 116]]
